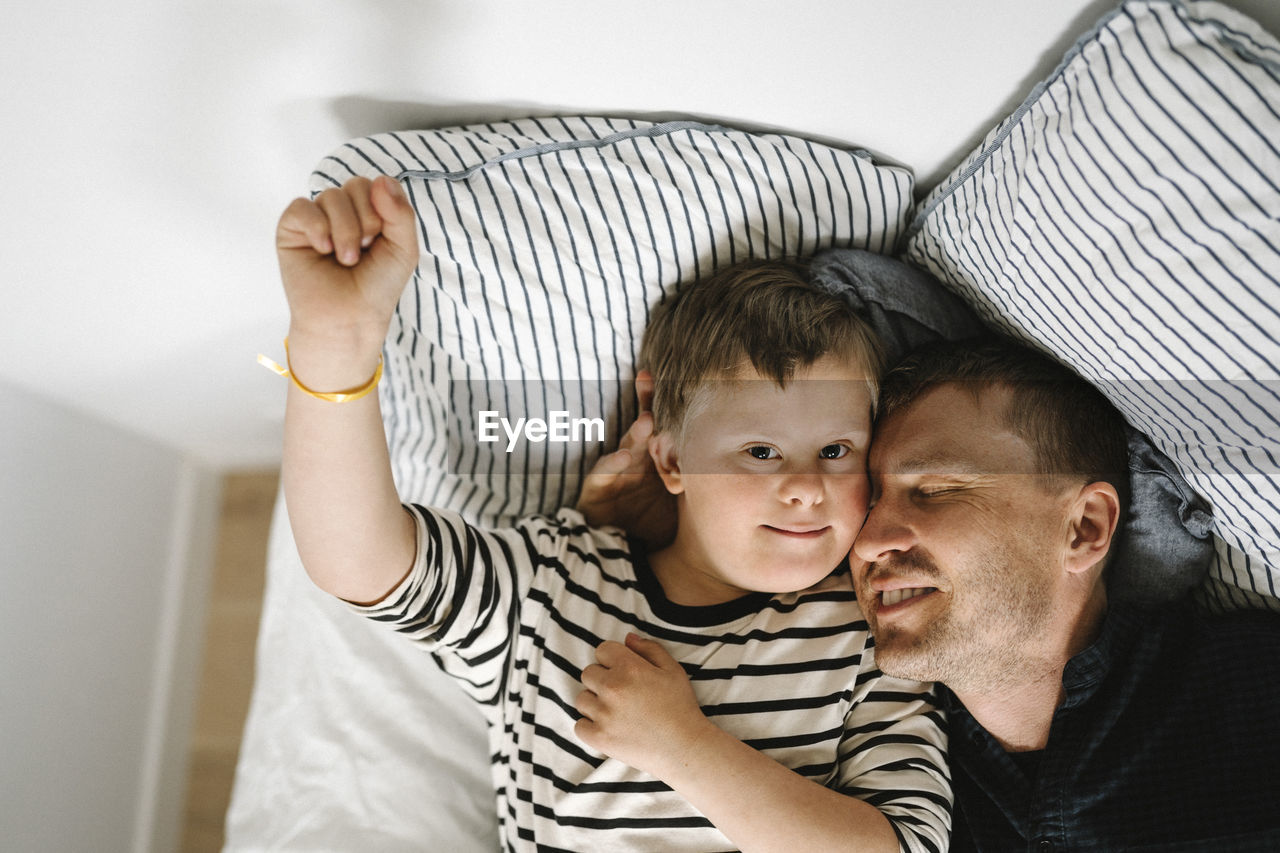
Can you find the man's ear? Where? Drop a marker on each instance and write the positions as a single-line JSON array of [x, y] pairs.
[[665, 455], [1095, 517]]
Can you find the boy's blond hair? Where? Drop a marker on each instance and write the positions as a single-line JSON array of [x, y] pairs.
[[762, 313]]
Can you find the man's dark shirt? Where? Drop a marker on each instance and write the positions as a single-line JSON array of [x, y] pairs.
[[1168, 740]]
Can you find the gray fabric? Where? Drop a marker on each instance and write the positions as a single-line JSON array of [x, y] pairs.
[[907, 307], [1166, 541]]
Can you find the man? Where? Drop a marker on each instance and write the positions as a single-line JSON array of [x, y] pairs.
[[999, 482]]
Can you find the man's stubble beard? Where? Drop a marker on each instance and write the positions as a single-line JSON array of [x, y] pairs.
[[984, 640]]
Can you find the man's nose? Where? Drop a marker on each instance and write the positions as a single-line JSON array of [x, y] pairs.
[[883, 532]]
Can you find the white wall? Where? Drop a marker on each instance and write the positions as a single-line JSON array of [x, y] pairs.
[[105, 539], [153, 143]]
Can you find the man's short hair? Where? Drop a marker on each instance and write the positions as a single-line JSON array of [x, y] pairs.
[[762, 313], [1072, 428]]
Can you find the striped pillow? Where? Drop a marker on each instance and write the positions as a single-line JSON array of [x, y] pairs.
[[545, 243], [1126, 218]]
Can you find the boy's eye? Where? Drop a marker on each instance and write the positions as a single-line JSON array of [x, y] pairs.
[[761, 451], [833, 451]]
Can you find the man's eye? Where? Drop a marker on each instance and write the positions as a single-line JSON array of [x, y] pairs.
[[761, 451], [833, 451]]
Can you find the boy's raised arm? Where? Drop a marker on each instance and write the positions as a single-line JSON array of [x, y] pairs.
[[344, 260]]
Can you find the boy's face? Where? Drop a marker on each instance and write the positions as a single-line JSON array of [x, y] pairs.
[[772, 483]]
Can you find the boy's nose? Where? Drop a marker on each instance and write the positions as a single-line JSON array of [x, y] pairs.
[[801, 488]]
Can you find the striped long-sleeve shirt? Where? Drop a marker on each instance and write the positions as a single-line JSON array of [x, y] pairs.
[[516, 614]]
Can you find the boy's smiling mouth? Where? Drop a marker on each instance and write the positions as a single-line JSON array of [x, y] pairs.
[[798, 532]]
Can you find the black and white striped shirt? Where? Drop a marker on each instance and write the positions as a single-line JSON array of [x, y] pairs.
[[517, 613]]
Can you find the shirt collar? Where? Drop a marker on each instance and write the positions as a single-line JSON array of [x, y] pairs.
[[1087, 670]]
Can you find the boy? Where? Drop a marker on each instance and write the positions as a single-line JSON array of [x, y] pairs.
[[763, 425]]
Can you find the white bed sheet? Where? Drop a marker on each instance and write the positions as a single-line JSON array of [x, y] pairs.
[[348, 724]]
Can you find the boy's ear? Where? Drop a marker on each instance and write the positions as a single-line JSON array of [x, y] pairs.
[[665, 456], [1095, 516]]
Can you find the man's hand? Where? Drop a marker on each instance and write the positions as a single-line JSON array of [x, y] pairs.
[[345, 258], [623, 488], [638, 706]]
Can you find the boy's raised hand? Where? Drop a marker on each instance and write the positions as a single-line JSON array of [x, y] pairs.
[[344, 259]]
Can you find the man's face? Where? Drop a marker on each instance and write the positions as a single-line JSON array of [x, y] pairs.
[[962, 545]]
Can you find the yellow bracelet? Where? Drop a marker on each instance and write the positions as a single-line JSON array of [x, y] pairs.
[[327, 396]]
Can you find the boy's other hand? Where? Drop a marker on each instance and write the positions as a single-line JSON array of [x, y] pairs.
[[623, 488], [638, 706], [345, 258]]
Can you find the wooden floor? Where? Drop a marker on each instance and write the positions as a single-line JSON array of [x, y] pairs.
[[235, 603]]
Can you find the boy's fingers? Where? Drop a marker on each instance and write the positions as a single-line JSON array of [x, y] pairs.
[[359, 189], [304, 225], [399, 224], [344, 225], [587, 704], [592, 676], [586, 731], [652, 651], [611, 654]]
